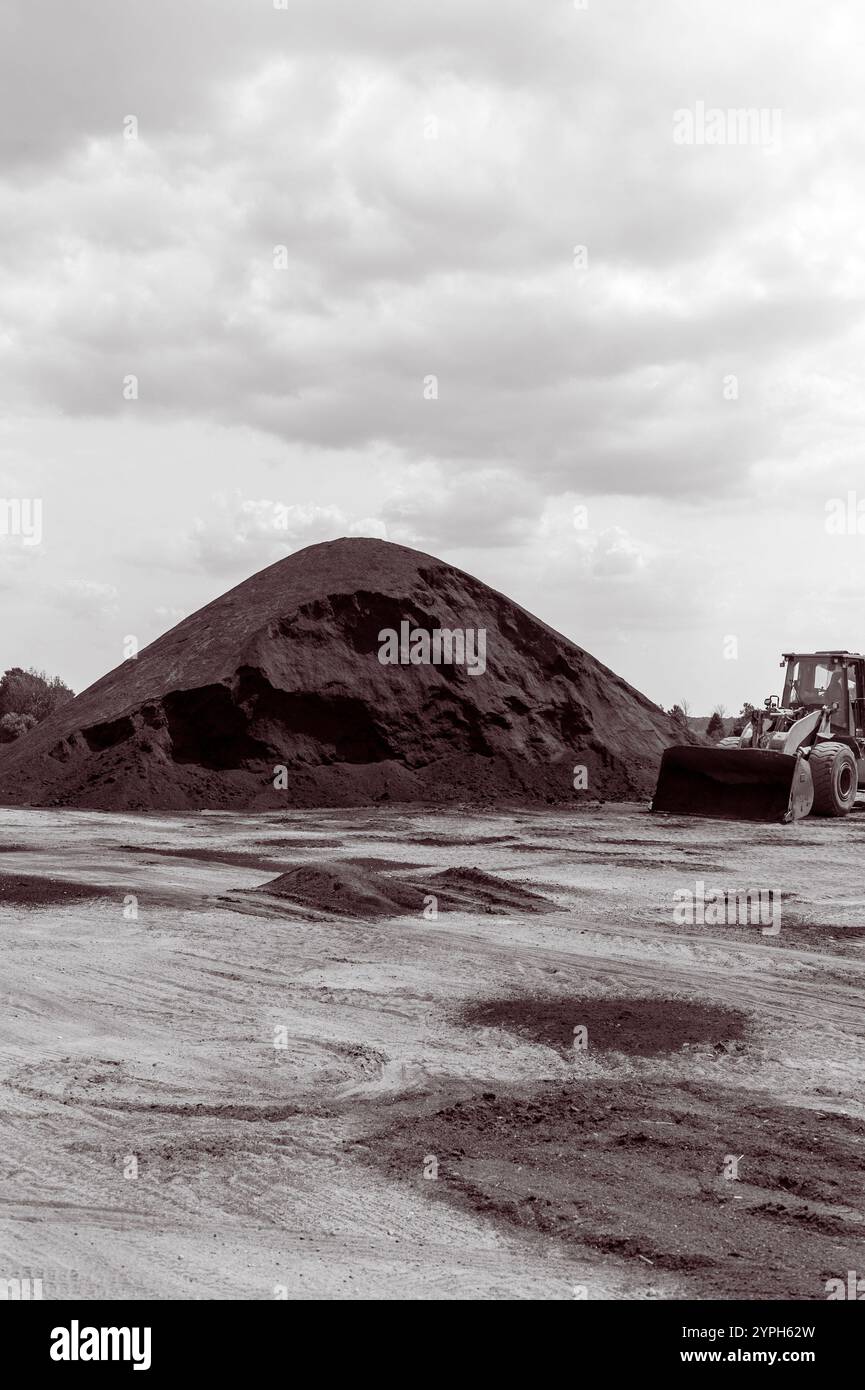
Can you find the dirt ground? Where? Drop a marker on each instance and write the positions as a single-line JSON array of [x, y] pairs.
[[212, 1091]]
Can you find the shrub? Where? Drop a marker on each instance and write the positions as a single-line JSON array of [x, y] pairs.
[[32, 694], [12, 726]]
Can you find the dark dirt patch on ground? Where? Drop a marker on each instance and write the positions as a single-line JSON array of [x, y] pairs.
[[820, 937], [376, 861], [639, 1027], [28, 890], [299, 842], [663, 860], [707, 846], [644, 861], [636, 1170], [356, 889], [254, 1114], [784, 841], [457, 841], [240, 859]]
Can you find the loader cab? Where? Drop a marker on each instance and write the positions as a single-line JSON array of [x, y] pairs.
[[827, 678]]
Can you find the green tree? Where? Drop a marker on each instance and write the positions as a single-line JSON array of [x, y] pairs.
[[31, 694], [715, 726], [677, 714]]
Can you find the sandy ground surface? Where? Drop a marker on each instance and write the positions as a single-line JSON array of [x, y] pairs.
[[317, 1104]]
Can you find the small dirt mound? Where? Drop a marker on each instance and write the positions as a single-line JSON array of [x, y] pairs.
[[473, 889], [639, 1027], [347, 889], [360, 889]]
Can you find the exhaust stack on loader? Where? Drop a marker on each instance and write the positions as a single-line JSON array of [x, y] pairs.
[[804, 754]]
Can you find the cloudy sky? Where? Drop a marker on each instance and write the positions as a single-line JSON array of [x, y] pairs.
[[448, 274]]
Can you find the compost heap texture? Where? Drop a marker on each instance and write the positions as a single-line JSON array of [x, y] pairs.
[[284, 672]]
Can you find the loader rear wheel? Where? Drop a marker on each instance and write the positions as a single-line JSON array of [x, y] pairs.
[[833, 771]]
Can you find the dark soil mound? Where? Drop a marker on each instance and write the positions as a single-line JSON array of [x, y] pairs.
[[345, 889], [473, 889], [284, 671], [356, 889]]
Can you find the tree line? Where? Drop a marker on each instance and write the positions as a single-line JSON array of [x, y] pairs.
[[26, 698], [716, 726]]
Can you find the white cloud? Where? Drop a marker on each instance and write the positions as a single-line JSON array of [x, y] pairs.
[[615, 554], [244, 534], [453, 256], [88, 598]]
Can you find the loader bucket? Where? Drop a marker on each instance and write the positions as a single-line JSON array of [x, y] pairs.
[[733, 784]]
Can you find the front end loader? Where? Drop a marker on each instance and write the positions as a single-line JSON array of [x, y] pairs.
[[801, 755]]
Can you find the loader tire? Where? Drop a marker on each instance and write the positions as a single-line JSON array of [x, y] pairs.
[[833, 772]]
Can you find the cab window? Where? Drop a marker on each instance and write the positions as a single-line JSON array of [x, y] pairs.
[[807, 682]]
